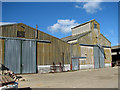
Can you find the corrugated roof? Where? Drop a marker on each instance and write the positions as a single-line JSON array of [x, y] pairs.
[[70, 38]]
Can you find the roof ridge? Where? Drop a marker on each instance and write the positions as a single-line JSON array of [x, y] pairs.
[[83, 23], [66, 39], [76, 35], [82, 33]]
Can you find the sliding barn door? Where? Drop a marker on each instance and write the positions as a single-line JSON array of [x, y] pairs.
[[28, 56]]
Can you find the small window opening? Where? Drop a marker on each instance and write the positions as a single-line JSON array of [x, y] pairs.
[[22, 26], [20, 33], [95, 26]]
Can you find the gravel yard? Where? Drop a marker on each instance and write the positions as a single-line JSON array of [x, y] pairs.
[[92, 78]]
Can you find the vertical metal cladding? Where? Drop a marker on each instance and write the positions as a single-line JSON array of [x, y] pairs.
[[102, 63], [96, 57], [20, 56], [99, 57], [13, 55], [46, 53], [75, 63], [28, 56]]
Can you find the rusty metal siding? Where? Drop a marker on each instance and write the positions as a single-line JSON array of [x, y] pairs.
[[49, 53], [76, 50], [87, 51], [94, 34], [29, 32], [39, 53], [11, 30], [87, 39], [108, 57], [99, 39], [2, 51], [13, 55], [103, 41], [28, 56], [46, 53]]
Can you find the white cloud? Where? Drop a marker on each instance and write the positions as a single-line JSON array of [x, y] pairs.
[[5, 23], [63, 26], [91, 7]]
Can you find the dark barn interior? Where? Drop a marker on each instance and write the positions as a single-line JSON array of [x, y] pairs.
[[115, 55]]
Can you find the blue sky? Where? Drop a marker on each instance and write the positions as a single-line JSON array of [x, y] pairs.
[[56, 18]]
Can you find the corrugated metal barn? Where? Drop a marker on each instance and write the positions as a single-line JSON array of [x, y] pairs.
[[24, 49], [92, 49]]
